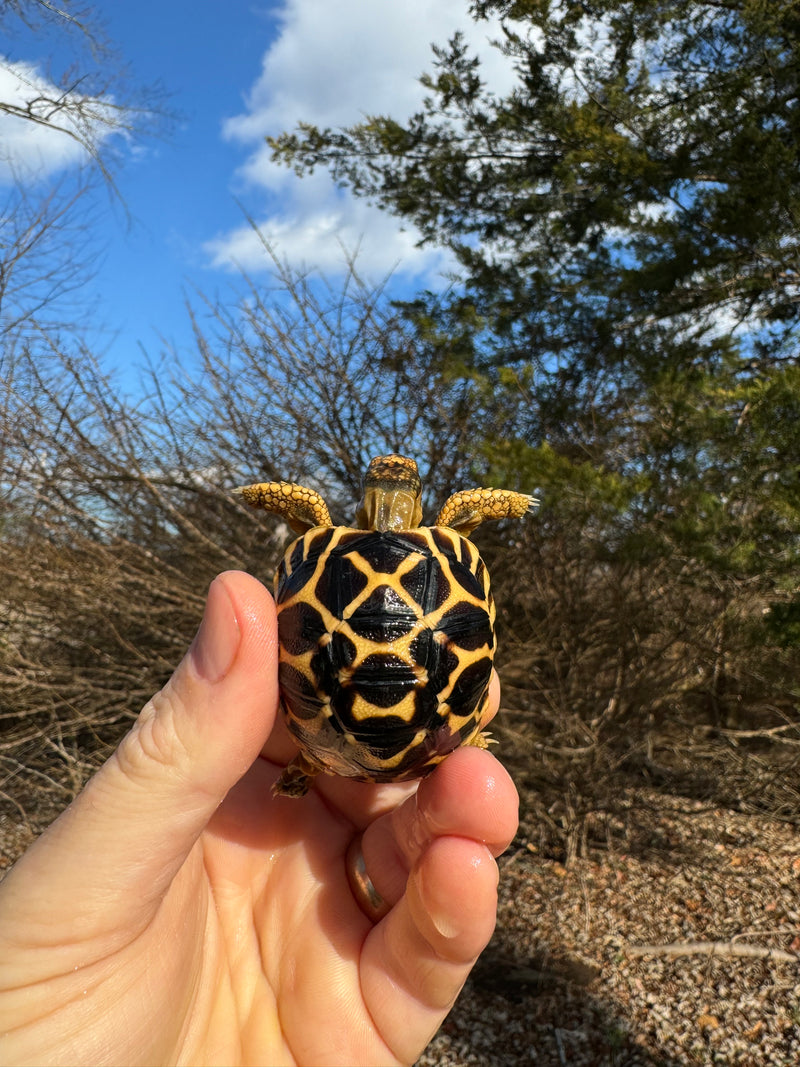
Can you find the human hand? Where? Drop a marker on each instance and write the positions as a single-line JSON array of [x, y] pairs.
[[177, 912]]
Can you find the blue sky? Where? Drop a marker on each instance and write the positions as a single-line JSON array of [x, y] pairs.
[[234, 73]]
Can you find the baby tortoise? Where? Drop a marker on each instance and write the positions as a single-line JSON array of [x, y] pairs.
[[386, 629]]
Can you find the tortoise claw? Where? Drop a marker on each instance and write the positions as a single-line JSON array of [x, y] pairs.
[[483, 740]]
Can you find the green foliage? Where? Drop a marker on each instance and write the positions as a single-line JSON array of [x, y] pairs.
[[782, 624], [572, 487], [636, 190], [657, 139]]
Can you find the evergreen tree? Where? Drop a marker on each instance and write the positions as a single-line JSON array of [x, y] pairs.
[[632, 202]]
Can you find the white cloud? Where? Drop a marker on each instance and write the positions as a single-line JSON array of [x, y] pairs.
[[330, 64], [333, 228], [28, 149]]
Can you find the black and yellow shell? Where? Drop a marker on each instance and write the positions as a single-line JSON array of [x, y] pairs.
[[386, 647], [386, 628]]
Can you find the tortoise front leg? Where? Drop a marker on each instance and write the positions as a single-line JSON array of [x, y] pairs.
[[302, 508], [469, 508]]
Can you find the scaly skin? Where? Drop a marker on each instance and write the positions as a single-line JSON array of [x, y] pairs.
[[469, 508], [301, 507]]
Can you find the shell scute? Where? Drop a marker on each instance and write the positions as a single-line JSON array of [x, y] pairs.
[[295, 559], [463, 558], [399, 736], [332, 662], [436, 659], [383, 616], [384, 552], [299, 692], [468, 627], [339, 583], [471, 682], [468, 581], [302, 628], [383, 680], [429, 587]]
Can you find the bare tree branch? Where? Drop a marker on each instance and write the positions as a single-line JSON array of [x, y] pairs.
[[722, 949]]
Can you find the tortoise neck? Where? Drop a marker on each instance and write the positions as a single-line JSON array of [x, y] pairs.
[[384, 510], [392, 491]]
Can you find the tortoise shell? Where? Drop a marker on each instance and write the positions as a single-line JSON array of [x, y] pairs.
[[386, 647], [386, 628]]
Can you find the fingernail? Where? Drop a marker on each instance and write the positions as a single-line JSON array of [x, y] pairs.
[[446, 925], [217, 641], [445, 922]]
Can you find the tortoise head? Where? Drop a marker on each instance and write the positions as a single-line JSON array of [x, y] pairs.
[[392, 492]]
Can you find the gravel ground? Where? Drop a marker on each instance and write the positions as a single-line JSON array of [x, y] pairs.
[[715, 894], [561, 983]]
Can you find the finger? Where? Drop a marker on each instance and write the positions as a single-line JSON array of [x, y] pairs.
[[469, 795], [134, 824], [416, 960]]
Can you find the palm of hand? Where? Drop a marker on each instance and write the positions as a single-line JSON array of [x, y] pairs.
[[346, 991]]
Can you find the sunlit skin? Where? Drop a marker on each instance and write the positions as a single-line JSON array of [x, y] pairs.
[[178, 913]]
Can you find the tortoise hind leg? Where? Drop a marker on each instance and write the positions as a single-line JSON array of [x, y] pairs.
[[297, 778], [482, 739], [302, 508], [469, 508]]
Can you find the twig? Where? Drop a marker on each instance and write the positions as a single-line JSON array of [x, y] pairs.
[[560, 1046], [713, 948]]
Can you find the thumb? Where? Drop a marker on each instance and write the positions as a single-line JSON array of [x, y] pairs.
[[130, 830]]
